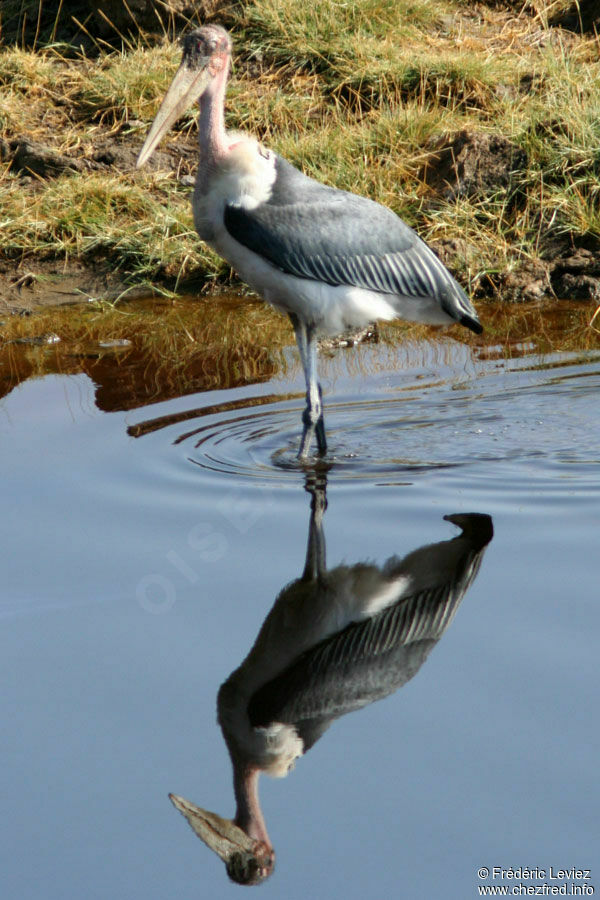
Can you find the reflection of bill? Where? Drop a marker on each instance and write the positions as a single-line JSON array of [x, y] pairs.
[[334, 641]]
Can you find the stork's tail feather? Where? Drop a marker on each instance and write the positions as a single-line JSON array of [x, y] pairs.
[[472, 323], [457, 305]]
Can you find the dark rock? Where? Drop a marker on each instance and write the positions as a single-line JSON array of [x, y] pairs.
[[107, 156], [576, 287], [39, 340], [121, 156], [572, 273], [368, 334], [29, 156], [473, 165], [577, 276], [530, 280]]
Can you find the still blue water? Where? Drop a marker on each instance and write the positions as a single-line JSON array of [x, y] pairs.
[[142, 550]]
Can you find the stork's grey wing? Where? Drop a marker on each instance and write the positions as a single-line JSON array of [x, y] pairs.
[[364, 662], [317, 232]]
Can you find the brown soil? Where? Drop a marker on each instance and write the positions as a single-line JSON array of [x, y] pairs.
[[37, 284]]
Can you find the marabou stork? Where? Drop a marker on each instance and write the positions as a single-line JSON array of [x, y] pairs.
[[333, 642], [330, 259]]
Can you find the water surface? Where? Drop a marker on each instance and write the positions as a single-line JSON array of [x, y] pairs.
[[147, 533]]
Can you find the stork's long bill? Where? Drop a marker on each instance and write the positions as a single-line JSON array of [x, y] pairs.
[[247, 861]]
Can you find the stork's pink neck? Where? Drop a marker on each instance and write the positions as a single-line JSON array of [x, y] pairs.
[[249, 815], [211, 123]]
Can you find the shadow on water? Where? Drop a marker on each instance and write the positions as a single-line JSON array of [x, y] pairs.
[[335, 641]]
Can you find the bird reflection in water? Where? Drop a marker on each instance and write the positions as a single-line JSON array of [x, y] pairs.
[[334, 641]]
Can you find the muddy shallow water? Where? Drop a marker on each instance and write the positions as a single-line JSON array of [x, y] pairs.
[[146, 538]]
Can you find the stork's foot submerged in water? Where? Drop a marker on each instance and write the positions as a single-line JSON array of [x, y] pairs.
[[314, 425]]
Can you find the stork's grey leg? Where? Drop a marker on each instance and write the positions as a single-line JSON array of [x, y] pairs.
[[314, 393], [300, 332], [312, 417], [320, 427]]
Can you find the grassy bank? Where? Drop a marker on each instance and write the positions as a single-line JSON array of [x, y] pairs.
[[359, 95]]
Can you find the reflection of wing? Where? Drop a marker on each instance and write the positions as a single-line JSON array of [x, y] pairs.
[[370, 659], [364, 662]]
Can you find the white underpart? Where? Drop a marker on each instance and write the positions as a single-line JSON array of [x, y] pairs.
[[389, 592], [360, 593], [245, 177], [281, 747]]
